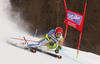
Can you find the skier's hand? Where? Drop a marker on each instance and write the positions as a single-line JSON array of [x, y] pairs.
[[57, 51], [51, 43]]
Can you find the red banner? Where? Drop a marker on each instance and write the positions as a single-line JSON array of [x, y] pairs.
[[74, 20]]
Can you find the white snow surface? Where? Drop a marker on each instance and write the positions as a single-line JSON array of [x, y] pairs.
[[13, 55]]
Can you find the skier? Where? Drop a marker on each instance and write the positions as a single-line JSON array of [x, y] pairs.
[[52, 40]]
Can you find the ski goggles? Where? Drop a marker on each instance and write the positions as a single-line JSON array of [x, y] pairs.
[[58, 34]]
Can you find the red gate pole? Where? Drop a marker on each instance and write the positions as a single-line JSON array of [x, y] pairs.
[[81, 30], [65, 7], [85, 8], [65, 34], [65, 20], [79, 44]]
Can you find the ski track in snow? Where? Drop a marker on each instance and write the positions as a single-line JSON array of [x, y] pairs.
[[65, 55], [13, 55]]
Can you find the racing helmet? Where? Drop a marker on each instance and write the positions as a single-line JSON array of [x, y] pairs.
[[59, 30]]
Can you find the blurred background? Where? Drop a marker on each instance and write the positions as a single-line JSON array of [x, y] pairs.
[[45, 15]]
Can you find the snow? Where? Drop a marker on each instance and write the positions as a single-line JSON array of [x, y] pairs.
[[13, 55]]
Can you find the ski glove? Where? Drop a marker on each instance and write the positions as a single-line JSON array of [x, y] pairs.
[[51, 43], [57, 50]]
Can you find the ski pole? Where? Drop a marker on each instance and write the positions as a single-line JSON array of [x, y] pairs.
[[22, 39], [35, 32]]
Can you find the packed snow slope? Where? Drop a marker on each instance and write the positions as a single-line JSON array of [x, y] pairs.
[[13, 55]]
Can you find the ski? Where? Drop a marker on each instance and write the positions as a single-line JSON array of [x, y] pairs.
[[34, 49]]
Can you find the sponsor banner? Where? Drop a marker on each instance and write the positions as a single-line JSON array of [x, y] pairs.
[[75, 17]]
